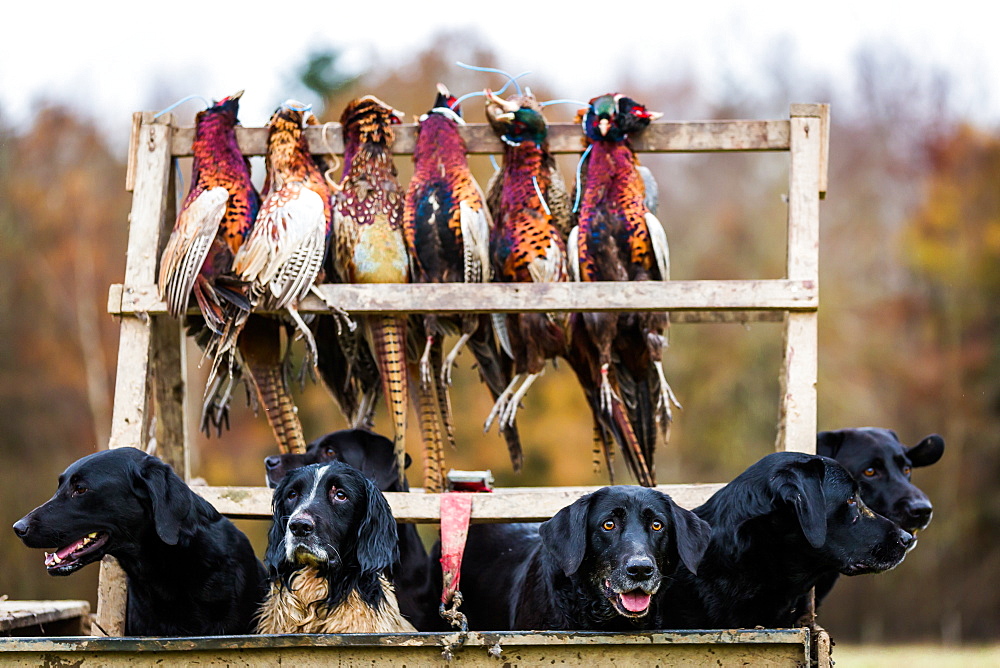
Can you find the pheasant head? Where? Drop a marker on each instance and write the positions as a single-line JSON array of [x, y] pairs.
[[613, 117], [287, 148], [367, 125], [516, 120]]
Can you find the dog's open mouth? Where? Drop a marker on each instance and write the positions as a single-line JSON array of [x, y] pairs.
[[634, 603], [79, 553]]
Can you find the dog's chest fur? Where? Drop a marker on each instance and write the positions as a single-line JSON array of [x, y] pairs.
[[299, 608]]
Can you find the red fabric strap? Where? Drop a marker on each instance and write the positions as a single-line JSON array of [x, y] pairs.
[[456, 510]]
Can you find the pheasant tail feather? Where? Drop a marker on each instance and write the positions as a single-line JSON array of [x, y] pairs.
[[388, 336]]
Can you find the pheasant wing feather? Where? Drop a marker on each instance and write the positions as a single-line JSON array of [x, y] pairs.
[[661, 249], [285, 250], [188, 247], [476, 224]]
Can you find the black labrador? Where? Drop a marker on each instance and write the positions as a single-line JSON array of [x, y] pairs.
[[373, 455], [329, 555], [596, 565], [190, 570], [778, 528], [882, 465]]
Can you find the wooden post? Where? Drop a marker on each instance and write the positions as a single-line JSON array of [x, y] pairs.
[[797, 416], [150, 155]]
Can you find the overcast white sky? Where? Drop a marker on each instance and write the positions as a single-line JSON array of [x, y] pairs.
[[107, 58]]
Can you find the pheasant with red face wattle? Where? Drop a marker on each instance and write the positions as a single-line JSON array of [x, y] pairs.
[[368, 244], [447, 225], [617, 238], [216, 216], [526, 244]]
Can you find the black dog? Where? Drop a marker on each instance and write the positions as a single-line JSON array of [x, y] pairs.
[[366, 451], [373, 455], [190, 571], [882, 467], [596, 565], [777, 528], [329, 554]]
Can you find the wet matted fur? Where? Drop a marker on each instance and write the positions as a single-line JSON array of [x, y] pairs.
[[330, 554], [190, 571]]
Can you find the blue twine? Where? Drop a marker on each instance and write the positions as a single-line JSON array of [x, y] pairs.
[[182, 101]]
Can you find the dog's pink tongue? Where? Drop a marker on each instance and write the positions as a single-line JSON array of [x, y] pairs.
[[635, 601], [62, 553]]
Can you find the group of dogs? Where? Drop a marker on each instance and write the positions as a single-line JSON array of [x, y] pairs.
[[623, 558]]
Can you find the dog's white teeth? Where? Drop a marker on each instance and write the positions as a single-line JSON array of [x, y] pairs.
[[92, 535]]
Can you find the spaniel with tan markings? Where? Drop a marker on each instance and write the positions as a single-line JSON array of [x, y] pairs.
[[330, 555]]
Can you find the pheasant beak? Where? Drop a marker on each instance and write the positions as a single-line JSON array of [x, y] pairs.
[[508, 107], [655, 115], [235, 96], [603, 126]]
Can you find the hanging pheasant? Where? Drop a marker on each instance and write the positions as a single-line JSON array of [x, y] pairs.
[[526, 244], [447, 225], [368, 241], [618, 239], [282, 260], [216, 216]]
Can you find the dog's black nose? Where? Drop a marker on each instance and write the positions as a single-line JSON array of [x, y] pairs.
[[272, 461], [639, 567], [918, 514], [21, 527], [301, 527]]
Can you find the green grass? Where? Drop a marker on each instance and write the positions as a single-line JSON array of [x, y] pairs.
[[915, 656]]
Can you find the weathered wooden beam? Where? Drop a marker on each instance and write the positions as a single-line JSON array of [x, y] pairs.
[[731, 647], [513, 504], [687, 137], [771, 294], [797, 403], [130, 420]]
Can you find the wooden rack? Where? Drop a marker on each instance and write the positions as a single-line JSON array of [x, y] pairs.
[[151, 365]]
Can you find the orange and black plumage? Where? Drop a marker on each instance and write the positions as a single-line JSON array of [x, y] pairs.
[[617, 238], [216, 216], [368, 244], [447, 225], [526, 244], [282, 259]]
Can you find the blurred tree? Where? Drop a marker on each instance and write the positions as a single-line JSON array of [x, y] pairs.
[[323, 73]]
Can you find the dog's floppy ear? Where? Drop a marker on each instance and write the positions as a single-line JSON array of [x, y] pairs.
[[926, 452], [565, 535], [691, 535], [378, 544], [828, 443], [275, 554], [170, 499], [801, 485]]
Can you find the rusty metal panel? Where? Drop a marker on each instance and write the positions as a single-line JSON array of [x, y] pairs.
[[783, 647]]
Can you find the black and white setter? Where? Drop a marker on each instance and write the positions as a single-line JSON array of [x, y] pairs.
[[330, 555]]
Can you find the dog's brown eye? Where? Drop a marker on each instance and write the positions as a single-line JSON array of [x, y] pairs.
[[292, 495], [869, 472], [79, 489], [608, 525], [657, 525], [853, 501], [906, 471], [339, 495]]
